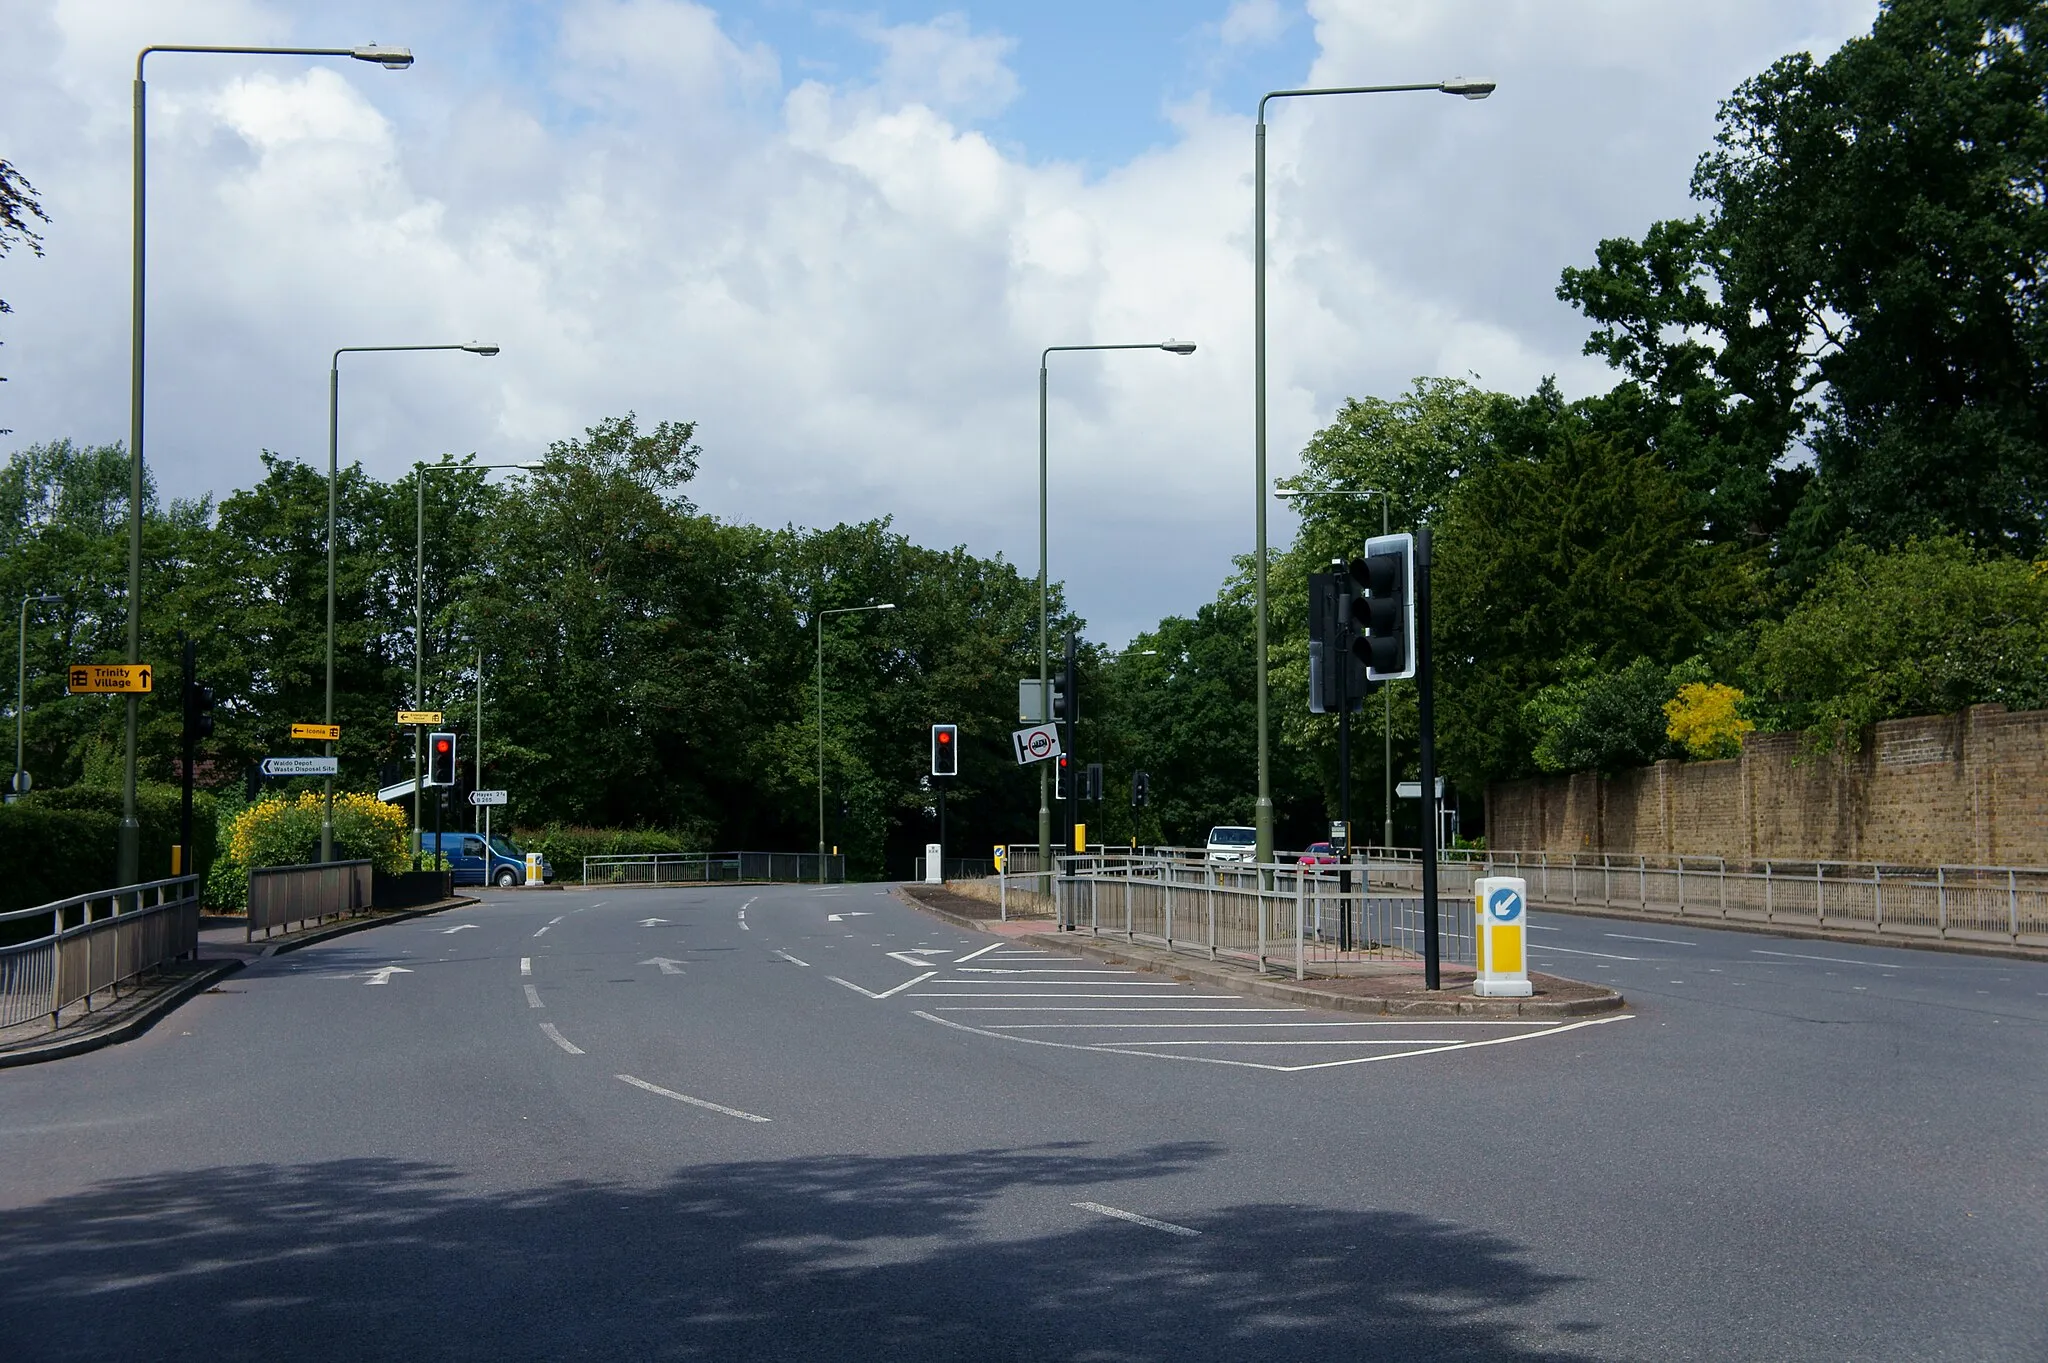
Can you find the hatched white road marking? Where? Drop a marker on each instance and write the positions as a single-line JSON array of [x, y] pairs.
[[1120, 1214], [560, 1040], [533, 998], [792, 960], [686, 1098], [983, 952], [886, 992]]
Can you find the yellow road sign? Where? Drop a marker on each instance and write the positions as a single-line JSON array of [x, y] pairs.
[[330, 732], [419, 716], [104, 679]]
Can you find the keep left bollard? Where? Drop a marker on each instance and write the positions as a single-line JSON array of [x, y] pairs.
[[1500, 937]]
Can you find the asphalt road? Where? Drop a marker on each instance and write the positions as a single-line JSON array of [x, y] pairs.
[[804, 1123]]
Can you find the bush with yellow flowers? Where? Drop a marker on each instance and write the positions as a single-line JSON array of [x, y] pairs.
[[1706, 719], [280, 831]]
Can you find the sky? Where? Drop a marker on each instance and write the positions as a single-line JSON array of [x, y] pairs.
[[837, 238]]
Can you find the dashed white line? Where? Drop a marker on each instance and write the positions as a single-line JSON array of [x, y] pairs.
[[560, 1040], [526, 965], [1665, 941], [693, 1102], [792, 960], [543, 931], [533, 998], [1120, 1214]]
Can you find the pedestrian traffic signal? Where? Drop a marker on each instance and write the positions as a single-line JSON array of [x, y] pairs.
[[198, 710], [441, 759], [1063, 782], [1383, 607], [945, 750], [1141, 788]]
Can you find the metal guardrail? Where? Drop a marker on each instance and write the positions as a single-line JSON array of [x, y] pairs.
[[280, 896], [704, 868], [96, 941]]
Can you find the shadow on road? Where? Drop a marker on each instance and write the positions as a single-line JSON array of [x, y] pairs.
[[834, 1258]]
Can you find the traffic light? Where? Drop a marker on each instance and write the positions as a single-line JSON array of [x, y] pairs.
[[945, 750], [441, 759], [1062, 778], [198, 710], [1141, 788], [1059, 700], [1383, 607], [1093, 784], [1328, 624]]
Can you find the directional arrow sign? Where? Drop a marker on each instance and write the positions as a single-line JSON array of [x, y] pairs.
[[668, 967], [301, 766], [459, 927], [419, 716], [1038, 743], [487, 797], [652, 922], [97, 679], [330, 732], [383, 975]]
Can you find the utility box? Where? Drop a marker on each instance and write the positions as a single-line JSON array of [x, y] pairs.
[[1500, 937]]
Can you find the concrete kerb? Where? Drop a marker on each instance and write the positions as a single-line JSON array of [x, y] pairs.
[[282, 945], [128, 1028], [1178, 966]]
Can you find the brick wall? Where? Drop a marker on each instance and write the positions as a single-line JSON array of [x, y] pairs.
[[1964, 789]]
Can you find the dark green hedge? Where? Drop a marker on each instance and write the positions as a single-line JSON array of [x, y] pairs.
[[58, 843]]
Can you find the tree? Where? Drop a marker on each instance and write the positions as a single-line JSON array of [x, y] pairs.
[[1867, 283], [19, 208]]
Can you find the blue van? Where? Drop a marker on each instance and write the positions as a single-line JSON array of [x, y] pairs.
[[475, 862]]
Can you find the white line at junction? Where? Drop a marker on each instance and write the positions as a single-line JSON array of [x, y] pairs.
[[693, 1102], [560, 1040], [1120, 1214]]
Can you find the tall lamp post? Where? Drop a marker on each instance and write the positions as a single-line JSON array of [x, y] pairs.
[[333, 486], [19, 785], [128, 857], [1044, 655], [1470, 89], [818, 618], [1387, 716], [419, 624]]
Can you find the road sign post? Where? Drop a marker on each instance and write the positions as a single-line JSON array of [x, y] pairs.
[[1500, 936]]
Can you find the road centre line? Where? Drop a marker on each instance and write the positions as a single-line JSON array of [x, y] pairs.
[[526, 965], [556, 919], [792, 960], [543, 931], [1605, 956], [1275, 1069], [886, 992], [560, 1040], [533, 998], [1120, 1214], [1832, 960], [983, 952], [686, 1098], [1667, 941]]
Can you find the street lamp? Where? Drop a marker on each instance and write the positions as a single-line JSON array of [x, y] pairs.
[[1470, 88], [1044, 657], [128, 858], [419, 618], [818, 618], [19, 786], [333, 483], [1387, 717]]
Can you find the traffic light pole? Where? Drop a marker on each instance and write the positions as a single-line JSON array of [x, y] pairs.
[[1343, 665], [1425, 677], [187, 863], [1073, 757]]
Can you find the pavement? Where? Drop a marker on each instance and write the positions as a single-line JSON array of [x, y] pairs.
[[816, 1123]]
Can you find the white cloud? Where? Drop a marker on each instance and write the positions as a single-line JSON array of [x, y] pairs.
[[847, 284], [1252, 23]]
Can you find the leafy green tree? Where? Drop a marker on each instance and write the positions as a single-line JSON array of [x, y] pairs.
[[19, 209], [1605, 720]]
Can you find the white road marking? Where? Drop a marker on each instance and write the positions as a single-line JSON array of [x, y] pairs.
[[1120, 1214], [560, 1040], [914, 959], [1831, 960], [686, 1098], [886, 992], [543, 931], [851, 913], [1091, 984], [1240, 1026], [1027, 1008], [1037, 970], [1538, 927], [1059, 996], [652, 922], [668, 967], [983, 952], [793, 960], [1666, 941], [526, 965], [533, 998], [459, 927], [556, 919], [383, 976], [1277, 1069], [1605, 956]]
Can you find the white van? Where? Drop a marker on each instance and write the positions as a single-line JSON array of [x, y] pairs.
[[1230, 843]]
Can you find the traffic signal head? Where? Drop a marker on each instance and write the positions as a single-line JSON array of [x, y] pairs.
[[945, 750], [1063, 778], [1059, 700], [199, 710], [441, 759], [1093, 784], [1141, 788], [1383, 606]]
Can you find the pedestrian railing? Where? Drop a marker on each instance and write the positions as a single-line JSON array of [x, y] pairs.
[[280, 896], [95, 942], [702, 868]]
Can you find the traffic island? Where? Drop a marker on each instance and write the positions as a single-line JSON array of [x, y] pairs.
[[1391, 987]]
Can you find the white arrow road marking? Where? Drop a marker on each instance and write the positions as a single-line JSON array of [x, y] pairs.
[[686, 1098], [459, 927], [1120, 1214], [384, 975], [886, 992], [842, 917], [668, 967], [560, 1040], [652, 922], [793, 960], [533, 998]]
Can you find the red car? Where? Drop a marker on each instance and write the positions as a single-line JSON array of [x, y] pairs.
[[1318, 854]]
